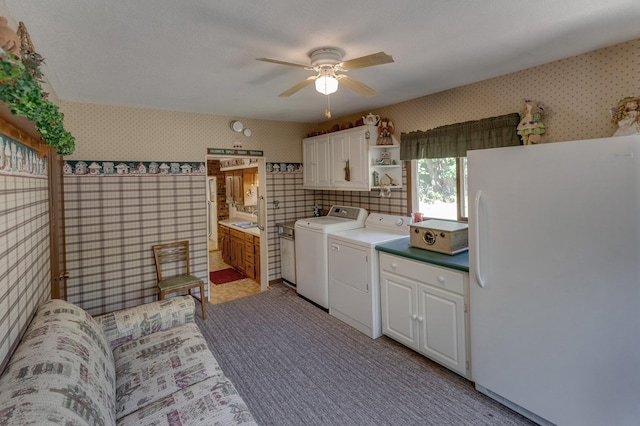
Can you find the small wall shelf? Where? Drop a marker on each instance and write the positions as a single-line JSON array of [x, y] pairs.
[[385, 160]]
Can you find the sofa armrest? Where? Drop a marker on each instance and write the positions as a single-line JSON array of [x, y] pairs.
[[130, 324]]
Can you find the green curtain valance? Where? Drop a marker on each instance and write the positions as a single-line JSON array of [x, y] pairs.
[[454, 140]]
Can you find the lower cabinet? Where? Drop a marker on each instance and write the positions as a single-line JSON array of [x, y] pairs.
[[252, 256], [224, 242], [237, 250], [256, 245], [425, 308], [249, 256], [240, 250]]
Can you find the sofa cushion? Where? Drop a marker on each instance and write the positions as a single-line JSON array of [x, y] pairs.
[[132, 323], [155, 366], [214, 401], [62, 371]]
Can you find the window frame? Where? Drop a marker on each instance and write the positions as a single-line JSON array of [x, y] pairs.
[[461, 186]]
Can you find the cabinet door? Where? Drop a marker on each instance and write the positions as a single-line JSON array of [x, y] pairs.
[[225, 244], [349, 147], [442, 327], [240, 256], [315, 159], [323, 177], [309, 163], [339, 156], [358, 160], [237, 253], [249, 257], [256, 251], [398, 298], [238, 194], [228, 180], [221, 238]]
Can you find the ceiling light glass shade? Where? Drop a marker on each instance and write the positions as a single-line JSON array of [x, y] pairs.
[[326, 85]]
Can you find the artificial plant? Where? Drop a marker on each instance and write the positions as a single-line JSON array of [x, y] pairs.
[[21, 91]]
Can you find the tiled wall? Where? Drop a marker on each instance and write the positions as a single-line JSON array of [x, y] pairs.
[[24, 241], [294, 202], [111, 224]]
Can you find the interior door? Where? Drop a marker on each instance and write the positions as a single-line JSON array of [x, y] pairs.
[[57, 245]]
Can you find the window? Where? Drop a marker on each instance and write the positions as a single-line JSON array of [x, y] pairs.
[[439, 164], [440, 188]]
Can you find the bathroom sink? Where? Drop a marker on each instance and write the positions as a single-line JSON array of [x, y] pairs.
[[245, 225]]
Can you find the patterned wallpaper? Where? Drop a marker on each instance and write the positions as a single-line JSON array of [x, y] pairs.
[[577, 93], [24, 241], [111, 223], [137, 134]]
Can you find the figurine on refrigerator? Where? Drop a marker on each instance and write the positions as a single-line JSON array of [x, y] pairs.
[[625, 115], [530, 127]]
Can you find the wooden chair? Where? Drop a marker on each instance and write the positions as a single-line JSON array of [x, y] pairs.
[[174, 259]]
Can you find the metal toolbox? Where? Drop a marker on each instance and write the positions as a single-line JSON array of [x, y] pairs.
[[442, 236]]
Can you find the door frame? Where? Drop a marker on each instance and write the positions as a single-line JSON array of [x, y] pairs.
[[57, 241], [262, 202], [212, 230]]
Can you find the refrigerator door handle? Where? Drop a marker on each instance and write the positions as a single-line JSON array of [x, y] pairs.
[[478, 273]]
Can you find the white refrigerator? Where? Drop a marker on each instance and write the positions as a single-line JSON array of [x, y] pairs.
[[555, 279]]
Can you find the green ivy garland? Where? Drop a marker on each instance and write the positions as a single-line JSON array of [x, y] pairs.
[[21, 91]]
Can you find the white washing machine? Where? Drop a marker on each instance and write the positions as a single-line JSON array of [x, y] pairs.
[[354, 277], [312, 270]]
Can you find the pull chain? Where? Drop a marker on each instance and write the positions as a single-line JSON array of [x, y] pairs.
[[327, 112]]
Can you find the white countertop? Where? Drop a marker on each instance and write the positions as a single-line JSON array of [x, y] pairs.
[[244, 218]]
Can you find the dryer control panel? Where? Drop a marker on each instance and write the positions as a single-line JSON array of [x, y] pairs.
[[345, 212]]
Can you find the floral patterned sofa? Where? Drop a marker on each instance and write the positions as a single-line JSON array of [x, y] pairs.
[[138, 366]]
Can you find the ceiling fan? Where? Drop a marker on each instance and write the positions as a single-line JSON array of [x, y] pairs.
[[327, 61]]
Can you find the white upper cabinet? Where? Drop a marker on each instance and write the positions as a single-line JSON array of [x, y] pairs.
[[316, 162], [349, 161], [344, 161]]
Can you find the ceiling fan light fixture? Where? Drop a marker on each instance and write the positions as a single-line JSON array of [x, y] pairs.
[[326, 84]]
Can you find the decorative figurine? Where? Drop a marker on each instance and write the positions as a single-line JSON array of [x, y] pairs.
[[385, 191], [376, 178], [9, 40], [625, 115], [530, 127], [385, 130]]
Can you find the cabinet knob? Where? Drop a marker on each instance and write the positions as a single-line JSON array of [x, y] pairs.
[[419, 319], [440, 279], [414, 317], [394, 265]]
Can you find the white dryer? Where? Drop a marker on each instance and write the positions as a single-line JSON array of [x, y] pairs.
[[354, 277], [312, 268]]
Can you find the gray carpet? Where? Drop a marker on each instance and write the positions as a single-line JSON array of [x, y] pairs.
[[294, 364]]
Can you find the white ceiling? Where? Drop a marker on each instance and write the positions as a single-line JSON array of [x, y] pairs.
[[199, 55]]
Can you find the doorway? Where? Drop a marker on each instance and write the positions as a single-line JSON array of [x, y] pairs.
[[236, 192]]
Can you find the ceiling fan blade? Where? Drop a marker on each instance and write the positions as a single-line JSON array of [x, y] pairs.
[[275, 61], [356, 86], [367, 61], [301, 85]]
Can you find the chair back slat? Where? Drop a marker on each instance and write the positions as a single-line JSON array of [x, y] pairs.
[[172, 253]]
